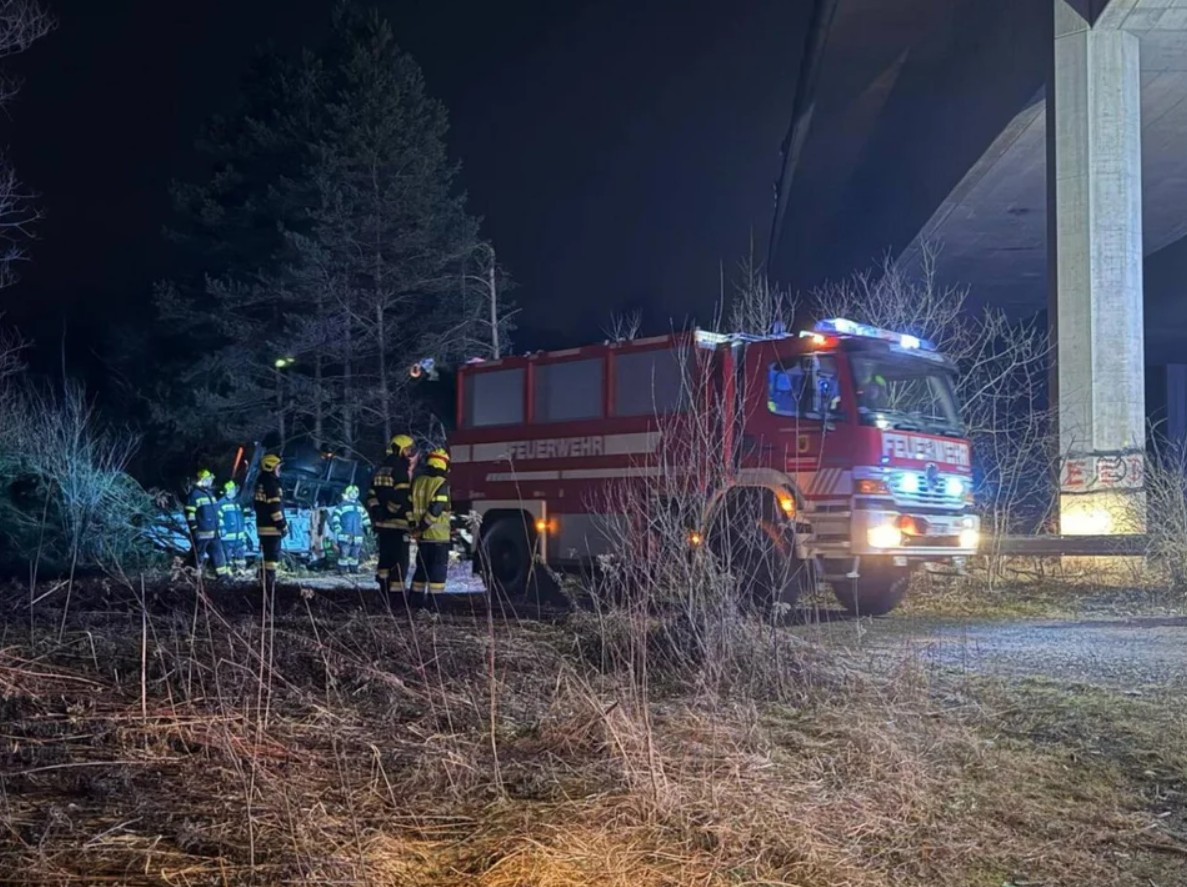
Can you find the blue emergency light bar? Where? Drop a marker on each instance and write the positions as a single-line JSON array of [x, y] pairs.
[[839, 326]]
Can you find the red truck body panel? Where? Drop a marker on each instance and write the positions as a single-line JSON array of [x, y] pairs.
[[550, 434]]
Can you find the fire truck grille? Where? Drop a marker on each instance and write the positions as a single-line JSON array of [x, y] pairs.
[[916, 488], [927, 497]]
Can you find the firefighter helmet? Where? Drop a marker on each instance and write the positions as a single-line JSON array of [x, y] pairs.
[[230, 488], [350, 493], [439, 459], [205, 477], [400, 443], [270, 462]]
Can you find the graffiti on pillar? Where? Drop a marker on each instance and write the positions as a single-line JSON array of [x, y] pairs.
[[1102, 471]]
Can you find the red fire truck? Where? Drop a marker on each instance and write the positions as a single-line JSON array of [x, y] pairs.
[[846, 439]]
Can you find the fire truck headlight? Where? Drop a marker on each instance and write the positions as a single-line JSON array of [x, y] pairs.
[[954, 487], [908, 482], [970, 538], [884, 536]]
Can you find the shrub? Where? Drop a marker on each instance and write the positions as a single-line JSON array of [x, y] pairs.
[[65, 500]]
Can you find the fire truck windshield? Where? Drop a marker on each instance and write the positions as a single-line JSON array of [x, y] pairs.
[[806, 388], [905, 392]]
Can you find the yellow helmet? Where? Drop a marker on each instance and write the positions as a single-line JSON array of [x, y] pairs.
[[400, 443], [439, 459], [205, 477], [270, 462]]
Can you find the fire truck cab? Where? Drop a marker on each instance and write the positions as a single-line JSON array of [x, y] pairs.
[[851, 434]]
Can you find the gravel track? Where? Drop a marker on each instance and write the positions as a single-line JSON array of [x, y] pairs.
[[1127, 654]]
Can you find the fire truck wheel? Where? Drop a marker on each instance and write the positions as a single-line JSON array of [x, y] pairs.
[[506, 559], [876, 592], [757, 550]]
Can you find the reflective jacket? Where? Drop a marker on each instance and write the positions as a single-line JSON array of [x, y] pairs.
[[230, 519], [429, 511], [201, 513], [873, 394], [387, 499], [349, 521], [269, 512]]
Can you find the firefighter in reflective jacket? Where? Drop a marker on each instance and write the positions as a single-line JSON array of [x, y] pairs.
[[231, 527], [270, 522], [387, 501], [872, 391], [348, 523], [201, 514], [428, 518]]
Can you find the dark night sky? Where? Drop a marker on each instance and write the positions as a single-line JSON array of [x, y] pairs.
[[617, 150]]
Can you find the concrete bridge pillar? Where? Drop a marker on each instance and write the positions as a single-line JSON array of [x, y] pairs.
[[1094, 165]]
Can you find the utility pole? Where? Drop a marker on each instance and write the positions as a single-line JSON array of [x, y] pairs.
[[280, 407], [491, 282], [494, 308], [279, 364]]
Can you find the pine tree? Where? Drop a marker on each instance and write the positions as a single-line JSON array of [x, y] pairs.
[[223, 313], [330, 245], [390, 220]]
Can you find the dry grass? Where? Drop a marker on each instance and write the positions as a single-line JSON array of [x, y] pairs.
[[1032, 587], [352, 749]]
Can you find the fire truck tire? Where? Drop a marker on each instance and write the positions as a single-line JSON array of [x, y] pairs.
[[506, 560], [876, 592], [758, 551]]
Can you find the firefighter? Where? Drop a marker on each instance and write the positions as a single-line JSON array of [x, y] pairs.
[[271, 525], [348, 522], [232, 527], [872, 391], [387, 501], [428, 520], [201, 514]]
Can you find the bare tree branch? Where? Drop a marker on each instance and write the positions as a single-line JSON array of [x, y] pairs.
[[1003, 366], [22, 23], [757, 306], [11, 346], [623, 326]]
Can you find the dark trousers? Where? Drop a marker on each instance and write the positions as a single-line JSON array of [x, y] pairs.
[[236, 552], [269, 559], [349, 548], [392, 571], [211, 549], [432, 567]]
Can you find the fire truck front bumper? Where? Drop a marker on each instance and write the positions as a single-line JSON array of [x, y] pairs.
[[922, 536]]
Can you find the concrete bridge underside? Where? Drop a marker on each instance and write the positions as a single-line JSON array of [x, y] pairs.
[[1042, 144]]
